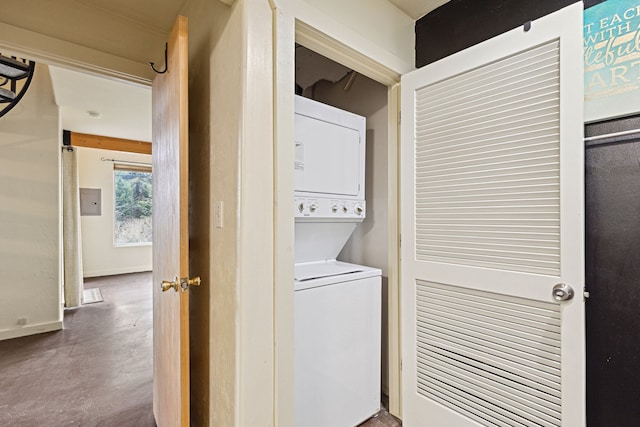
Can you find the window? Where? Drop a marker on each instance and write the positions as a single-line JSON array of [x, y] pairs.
[[133, 192]]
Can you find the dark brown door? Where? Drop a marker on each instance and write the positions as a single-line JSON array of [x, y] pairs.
[[613, 280]]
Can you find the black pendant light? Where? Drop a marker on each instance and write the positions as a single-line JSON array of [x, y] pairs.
[[15, 77]]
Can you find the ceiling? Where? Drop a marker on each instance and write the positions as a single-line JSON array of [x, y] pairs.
[[124, 108], [157, 15], [417, 8]]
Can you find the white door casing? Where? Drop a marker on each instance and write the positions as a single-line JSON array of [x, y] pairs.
[[492, 218]]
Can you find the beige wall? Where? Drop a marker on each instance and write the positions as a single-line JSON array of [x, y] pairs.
[[231, 166], [100, 257], [30, 216]]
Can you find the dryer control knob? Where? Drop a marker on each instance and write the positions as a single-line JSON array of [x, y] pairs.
[[334, 208], [345, 209], [301, 207], [359, 210], [313, 207]]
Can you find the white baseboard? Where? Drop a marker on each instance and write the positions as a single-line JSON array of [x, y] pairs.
[[23, 331], [114, 271]]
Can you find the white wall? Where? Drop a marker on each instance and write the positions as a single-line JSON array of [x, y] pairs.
[[30, 219], [100, 257]]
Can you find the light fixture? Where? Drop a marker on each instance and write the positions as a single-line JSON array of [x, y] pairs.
[[15, 77]]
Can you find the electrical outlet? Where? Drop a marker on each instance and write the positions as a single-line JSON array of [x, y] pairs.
[[22, 321]]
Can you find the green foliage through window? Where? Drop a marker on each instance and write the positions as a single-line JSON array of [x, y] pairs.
[[133, 192]]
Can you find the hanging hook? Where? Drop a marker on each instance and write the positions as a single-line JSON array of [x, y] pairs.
[[165, 62]]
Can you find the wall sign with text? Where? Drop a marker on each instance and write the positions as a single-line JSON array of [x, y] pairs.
[[612, 59]]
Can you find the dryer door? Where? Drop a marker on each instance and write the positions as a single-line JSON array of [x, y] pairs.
[[329, 152]]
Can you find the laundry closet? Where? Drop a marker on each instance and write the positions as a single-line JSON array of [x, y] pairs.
[[340, 207]]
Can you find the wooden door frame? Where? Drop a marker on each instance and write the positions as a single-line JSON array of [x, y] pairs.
[[288, 31]]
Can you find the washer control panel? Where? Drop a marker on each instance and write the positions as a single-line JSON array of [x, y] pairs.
[[307, 207]]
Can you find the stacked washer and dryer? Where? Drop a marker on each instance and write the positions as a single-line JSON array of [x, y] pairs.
[[337, 304]]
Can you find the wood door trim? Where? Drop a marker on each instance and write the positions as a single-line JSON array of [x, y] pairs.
[[180, 37], [108, 143]]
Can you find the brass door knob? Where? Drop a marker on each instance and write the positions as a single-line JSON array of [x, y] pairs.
[[166, 285], [185, 282], [181, 284]]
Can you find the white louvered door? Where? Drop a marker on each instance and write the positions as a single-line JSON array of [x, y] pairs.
[[492, 219]]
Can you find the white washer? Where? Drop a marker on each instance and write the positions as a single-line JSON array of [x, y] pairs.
[[337, 343]]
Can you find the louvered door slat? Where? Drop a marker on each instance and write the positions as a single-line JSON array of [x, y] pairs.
[[475, 334], [536, 353], [492, 107], [523, 415], [489, 72], [525, 408], [498, 120], [470, 406], [501, 387], [516, 126], [523, 307], [486, 314], [491, 165], [468, 127], [540, 318], [541, 196], [478, 84], [470, 237], [440, 337], [484, 171], [489, 150], [452, 146], [521, 383]]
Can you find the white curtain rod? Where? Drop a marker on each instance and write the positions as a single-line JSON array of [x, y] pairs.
[[125, 162]]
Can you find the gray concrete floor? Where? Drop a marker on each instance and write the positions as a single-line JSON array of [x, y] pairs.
[[95, 372]]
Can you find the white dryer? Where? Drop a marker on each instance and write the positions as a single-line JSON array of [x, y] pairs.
[[337, 304]]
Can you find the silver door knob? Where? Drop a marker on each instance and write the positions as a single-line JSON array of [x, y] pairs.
[[562, 292]]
